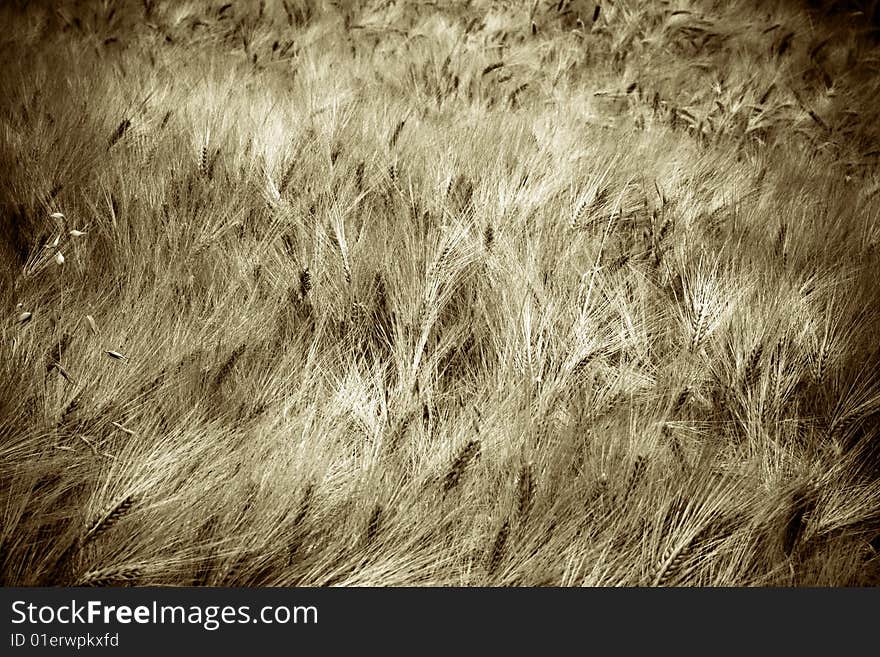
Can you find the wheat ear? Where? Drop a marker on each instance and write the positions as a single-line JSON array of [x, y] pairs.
[[526, 496], [498, 548], [108, 520], [374, 522], [119, 576], [671, 563], [468, 453]]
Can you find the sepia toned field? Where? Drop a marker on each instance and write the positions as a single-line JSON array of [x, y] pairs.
[[468, 293]]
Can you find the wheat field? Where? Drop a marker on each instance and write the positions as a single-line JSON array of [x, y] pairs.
[[462, 293]]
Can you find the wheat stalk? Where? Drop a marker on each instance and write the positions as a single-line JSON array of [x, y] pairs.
[[488, 237], [526, 492], [468, 453], [373, 523], [118, 576], [499, 545], [228, 366], [779, 249], [619, 263], [396, 134], [676, 446], [305, 505], [106, 522], [672, 562], [772, 383], [841, 426], [821, 360], [699, 323], [56, 352], [67, 414], [639, 469], [121, 129], [305, 283], [752, 368], [802, 502], [680, 401], [203, 160]]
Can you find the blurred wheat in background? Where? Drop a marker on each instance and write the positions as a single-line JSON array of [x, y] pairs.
[[388, 292]]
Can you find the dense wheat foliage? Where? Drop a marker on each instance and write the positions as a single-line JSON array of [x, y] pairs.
[[456, 293]]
